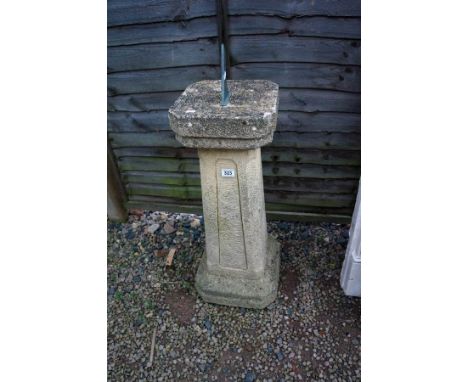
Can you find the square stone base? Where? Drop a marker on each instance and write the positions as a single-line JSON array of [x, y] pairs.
[[235, 291]]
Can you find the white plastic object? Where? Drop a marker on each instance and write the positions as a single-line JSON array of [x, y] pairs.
[[351, 272]]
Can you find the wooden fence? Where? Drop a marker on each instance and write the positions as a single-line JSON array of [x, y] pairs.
[[310, 48]]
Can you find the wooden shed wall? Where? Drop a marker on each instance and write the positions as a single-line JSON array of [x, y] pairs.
[[311, 49]]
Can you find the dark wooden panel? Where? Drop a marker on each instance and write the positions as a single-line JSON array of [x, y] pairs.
[[311, 100], [320, 121], [280, 48], [281, 139], [158, 47], [170, 191], [159, 80], [308, 185], [162, 178], [263, 48], [163, 55], [205, 27], [297, 170], [271, 183], [305, 100], [289, 75], [301, 75], [164, 152], [123, 12], [161, 139], [311, 171], [286, 197], [138, 122], [317, 140], [269, 154], [142, 102], [159, 164], [342, 27]]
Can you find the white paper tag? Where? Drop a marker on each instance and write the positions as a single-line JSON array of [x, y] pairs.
[[228, 172]]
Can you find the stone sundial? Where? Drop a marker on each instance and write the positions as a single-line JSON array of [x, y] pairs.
[[228, 122]]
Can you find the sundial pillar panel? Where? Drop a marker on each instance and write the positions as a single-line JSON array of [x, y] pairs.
[[240, 266]]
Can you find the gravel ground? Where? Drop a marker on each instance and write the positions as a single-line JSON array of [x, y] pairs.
[[310, 333]]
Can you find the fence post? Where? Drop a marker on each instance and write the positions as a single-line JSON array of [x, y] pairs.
[[116, 195]]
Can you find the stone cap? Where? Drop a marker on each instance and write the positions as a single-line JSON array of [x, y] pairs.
[[248, 121]]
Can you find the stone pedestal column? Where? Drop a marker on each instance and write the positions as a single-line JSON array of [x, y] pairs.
[[240, 266]]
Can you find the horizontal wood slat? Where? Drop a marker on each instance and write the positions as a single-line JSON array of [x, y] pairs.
[[298, 170], [264, 48], [271, 183], [321, 199], [205, 27], [286, 75], [269, 154], [124, 12], [351, 141]]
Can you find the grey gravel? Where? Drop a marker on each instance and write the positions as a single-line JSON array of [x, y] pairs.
[[310, 333]]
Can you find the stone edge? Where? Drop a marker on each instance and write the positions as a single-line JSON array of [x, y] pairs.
[[207, 284]]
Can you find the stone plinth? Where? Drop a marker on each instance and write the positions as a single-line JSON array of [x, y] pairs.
[[240, 266]]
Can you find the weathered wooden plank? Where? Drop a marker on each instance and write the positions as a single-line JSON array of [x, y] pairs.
[[271, 183], [288, 121], [307, 209], [162, 55], [313, 156], [317, 140], [307, 217], [301, 75], [317, 26], [152, 121], [205, 27], [159, 80], [297, 170], [123, 12], [142, 102], [320, 121], [161, 139], [285, 74], [311, 100], [311, 171], [264, 48], [281, 139], [280, 48], [269, 154], [336, 186], [162, 178], [319, 199], [305, 100], [171, 191], [297, 198], [281, 207], [158, 164], [163, 152]]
